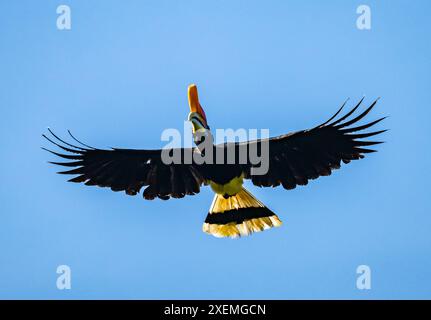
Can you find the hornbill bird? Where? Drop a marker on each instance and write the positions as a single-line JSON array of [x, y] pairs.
[[293, 159]]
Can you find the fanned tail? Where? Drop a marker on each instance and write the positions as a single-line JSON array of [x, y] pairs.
[[238, 215]]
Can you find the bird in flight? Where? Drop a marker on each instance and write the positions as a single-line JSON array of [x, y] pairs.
[[293, 159]]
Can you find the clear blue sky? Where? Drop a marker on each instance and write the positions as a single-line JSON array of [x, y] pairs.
[[119, 77]]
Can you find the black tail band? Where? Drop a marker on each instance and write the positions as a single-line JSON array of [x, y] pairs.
[[238, 215]]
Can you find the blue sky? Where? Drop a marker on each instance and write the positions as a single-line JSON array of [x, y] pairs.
[[119, 77]]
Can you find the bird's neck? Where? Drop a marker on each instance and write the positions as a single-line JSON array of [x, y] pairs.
[[203, 139]]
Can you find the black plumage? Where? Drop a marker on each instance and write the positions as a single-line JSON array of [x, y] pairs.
[[295, 158]]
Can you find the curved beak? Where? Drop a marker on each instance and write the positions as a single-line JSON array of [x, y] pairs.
[[194, 104]]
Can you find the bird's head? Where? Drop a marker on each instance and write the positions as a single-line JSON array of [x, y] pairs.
[[197, 115]]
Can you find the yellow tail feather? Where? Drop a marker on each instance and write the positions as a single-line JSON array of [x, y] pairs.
[[238, 215]]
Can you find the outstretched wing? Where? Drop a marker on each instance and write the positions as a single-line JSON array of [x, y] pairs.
[[298, 157], [128, 170], [294, 159]]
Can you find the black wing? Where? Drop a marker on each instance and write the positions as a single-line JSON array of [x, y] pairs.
[[298, 157], [294, 159], [128, 170]]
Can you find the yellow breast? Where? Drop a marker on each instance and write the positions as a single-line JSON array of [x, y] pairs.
[[231, 188]]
